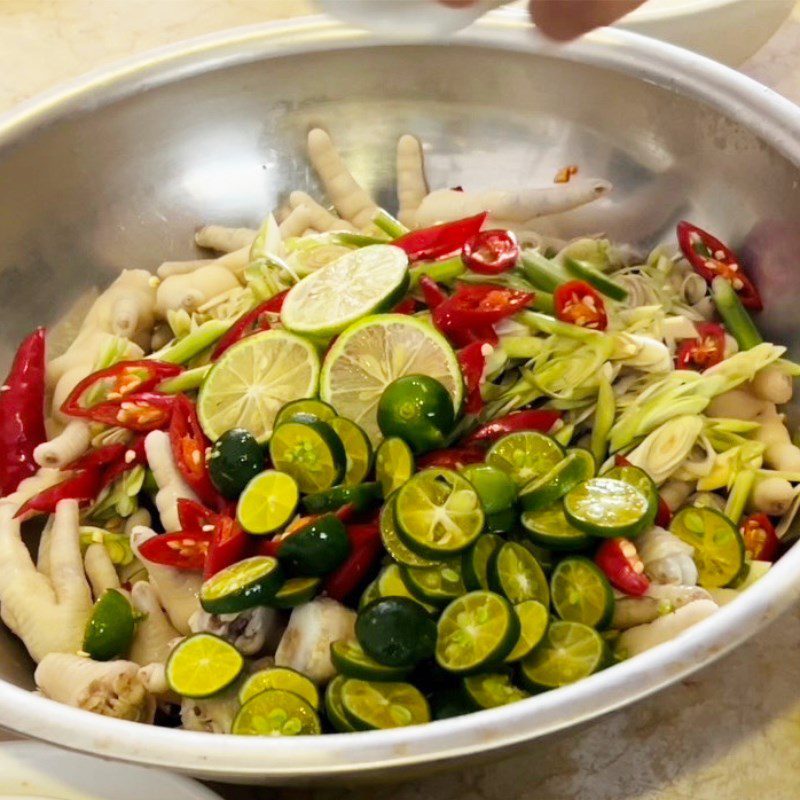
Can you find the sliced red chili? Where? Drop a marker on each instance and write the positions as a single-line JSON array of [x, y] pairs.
[[664, 513], [407, 306], [473, 363], [195, 517], [451, 458], [180, 550], [710, 258], [469, 314], [116, 383], [228, 545], [365, 549], [134, 455], [577, 303], [620, 562], [189, 448], [532, 419], [433, 294], [760, 540], [96, 459], [22, 412], [83, 487], [258, 319], [704, 351], [491, 252], [142, 412], [440, 241]]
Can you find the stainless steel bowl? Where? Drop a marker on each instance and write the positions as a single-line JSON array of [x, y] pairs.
[[118, 169]]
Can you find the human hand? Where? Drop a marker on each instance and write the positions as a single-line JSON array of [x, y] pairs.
[[567, 19]]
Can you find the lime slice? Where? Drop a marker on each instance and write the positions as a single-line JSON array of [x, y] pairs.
[[497, 491], [568, 652], [361, 282], [515, 573], [718, 547], [475, 561], [607, 507], [492, 689], [577, 466], [641, 480], [394, 545], [390, 583], [276, 712], [268, 502], [438, 584], [375, 706], [253, 379], [109, 631], [279, 678], [203, 665], [548, 527], [305, 408], [438, 513], [350, 659], [581, 592], [371, 354], [394, 464], [533, 621], [357, 448], [310, 452], [476, 630], [525, 455], [334, 709], [245, 584], [295, 592]]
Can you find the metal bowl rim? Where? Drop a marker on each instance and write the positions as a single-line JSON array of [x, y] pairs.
[[768, 115]]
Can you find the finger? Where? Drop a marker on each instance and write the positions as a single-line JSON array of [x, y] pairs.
[[100, 570], [66, 564], [566, 19]]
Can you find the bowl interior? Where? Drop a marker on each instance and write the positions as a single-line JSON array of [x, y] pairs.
[[123, 182]]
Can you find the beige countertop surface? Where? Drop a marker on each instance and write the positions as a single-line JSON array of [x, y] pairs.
[[731, 732]]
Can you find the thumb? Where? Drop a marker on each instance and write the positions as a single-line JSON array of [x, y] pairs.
[[567, 19]]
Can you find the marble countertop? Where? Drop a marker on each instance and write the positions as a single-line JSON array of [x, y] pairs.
[[731, 732]]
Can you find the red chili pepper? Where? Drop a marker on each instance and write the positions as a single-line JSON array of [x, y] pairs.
[[432, 292], [760, 540], [710, 257], [116, 383], [252, 322], [83, 487], [22, 413], [407, 306], [228, 545], [704, 351], [664, 513], [134, 455], [96, 459], [141, 413], [532, 419], [579, 304], [365, 549], [451, 458], [469, 314], [194, 517], [180, 550], [473, 363], [440, 241], [189, 447], [491, 252], [622, 566]]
